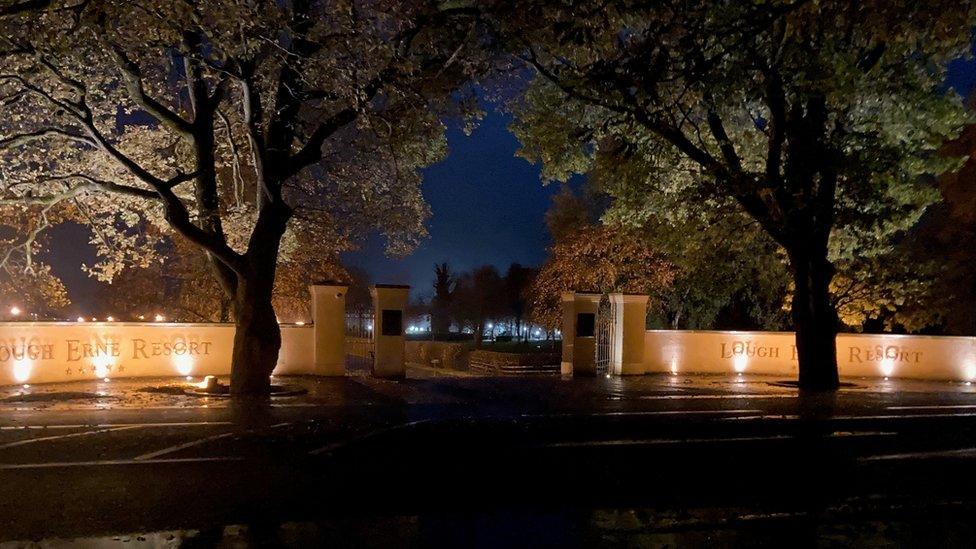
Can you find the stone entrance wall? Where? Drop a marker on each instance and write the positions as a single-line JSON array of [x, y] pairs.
[[858, 355], [43, 352]]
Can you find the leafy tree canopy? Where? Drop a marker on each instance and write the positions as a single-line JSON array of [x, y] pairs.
[[817, 119], [239, 125]]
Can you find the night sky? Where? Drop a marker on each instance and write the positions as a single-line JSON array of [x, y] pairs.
[[487, 208]]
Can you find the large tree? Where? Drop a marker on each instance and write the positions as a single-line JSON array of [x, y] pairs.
[[238, 125], [951, 228], [601, 259], [815, 119]]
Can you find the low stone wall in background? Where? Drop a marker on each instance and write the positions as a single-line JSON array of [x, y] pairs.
[[495, 363], [439, 354]]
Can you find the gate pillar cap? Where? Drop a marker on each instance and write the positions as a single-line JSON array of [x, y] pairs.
[[620, 298], [389, 295], [588, 296], [326, 288]]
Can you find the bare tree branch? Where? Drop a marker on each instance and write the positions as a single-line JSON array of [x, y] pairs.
[[132, 77]]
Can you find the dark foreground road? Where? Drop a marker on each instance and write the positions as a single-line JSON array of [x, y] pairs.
[[467, 462]]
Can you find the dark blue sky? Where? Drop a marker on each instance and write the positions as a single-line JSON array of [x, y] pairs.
[[487, 208]]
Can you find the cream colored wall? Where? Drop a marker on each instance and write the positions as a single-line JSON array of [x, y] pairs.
[[858, 355], [42, 352], [297, 354]]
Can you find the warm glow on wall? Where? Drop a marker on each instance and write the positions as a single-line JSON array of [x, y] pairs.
[[969, 370], [102, 364], [183, 364], [887, 367], [22, 370]]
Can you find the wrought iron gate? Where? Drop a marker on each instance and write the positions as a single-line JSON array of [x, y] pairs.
[[604, 335], [359, 341]]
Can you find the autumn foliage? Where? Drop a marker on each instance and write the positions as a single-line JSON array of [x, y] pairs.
[[598, 259]]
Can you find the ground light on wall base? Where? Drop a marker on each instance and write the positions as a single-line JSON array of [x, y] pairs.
[[102, 365], [183, 364], [739, 363], [22, 370], [887, 368], [969, 371]]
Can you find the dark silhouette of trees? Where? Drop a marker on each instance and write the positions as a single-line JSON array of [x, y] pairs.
[[442, 303], [518, 282], [477, 299]]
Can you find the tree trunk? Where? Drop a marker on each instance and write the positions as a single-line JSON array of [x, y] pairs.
[[814, 319], [257, 339]]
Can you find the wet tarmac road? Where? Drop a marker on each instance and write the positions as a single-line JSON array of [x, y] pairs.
[[477, 461]]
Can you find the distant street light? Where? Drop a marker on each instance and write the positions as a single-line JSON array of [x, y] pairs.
[[15, 311], [159, 318]]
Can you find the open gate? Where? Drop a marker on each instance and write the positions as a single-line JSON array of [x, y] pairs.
[[604, 335]]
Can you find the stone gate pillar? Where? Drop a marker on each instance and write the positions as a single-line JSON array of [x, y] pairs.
[[389, 301], [629, 329], [579, 333], [329, 316]]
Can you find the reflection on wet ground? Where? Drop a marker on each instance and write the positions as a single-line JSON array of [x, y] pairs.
[[857, 523], [490, 462]]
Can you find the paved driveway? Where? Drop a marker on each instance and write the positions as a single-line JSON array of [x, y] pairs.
[[132, 458]]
